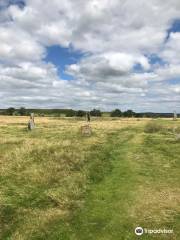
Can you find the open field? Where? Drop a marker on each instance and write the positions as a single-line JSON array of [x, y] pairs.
[[58, 185]]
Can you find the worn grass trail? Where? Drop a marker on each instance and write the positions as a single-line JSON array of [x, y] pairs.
[[107, 211]]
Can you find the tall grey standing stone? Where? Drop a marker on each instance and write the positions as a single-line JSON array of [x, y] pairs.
[[32, 116], [175, 116], [31, 123]]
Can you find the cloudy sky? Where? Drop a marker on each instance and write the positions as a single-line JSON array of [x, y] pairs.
[[81, 54]]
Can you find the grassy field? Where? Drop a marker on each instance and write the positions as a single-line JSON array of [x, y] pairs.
[[58, 185]]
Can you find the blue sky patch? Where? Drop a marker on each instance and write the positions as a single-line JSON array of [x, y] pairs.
[[61, 57], [154, 59], [173, 81], [175, 27], [6, 4], [137, 68]]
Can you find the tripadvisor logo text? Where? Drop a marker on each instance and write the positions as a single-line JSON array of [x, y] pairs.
[[139, 231]]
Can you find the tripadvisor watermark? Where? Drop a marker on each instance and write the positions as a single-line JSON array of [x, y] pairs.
[[140, 231]]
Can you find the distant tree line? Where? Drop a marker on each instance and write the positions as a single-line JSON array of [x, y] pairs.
[[130, 113], [119, 113], [46, 112], [80, 113], [15, 112]]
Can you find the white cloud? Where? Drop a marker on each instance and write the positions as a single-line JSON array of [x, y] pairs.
[[171, 51], [27, 76], [108, 67], [17, 45]]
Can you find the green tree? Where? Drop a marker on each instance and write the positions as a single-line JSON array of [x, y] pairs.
[[10, 111], [80, 113], [22, 111], [95, 113], [116, 113], [70, 113], [128, 113]]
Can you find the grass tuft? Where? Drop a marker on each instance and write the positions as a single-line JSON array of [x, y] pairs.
[[153, 127]]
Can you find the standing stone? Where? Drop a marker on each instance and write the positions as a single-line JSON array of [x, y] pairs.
[[175, 116], [32, 116], [31, 123], [86, 130], [88, 117]]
